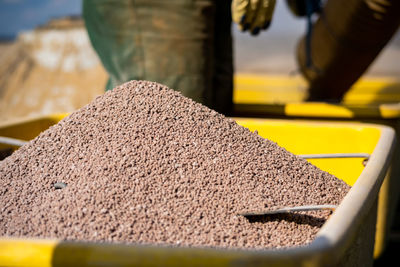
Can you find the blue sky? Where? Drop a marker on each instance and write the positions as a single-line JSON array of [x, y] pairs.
[[17, 15]]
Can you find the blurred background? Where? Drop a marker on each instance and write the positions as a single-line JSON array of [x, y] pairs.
[[47, 64]]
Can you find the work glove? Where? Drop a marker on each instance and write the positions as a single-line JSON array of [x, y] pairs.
[[253, 15]]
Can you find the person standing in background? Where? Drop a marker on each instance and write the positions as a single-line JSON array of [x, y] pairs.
[[187, 44], [184, 44]]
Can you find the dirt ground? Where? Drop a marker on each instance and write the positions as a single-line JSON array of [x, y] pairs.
[[48, 71]]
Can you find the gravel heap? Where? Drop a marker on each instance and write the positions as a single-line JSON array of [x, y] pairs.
[[143, 164]]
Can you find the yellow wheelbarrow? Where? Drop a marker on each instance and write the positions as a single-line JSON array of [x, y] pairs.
[[346, 239]]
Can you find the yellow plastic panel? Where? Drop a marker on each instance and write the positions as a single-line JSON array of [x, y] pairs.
[[263, 89], [19, 252], [27, 129], [284, 95], [321, 138]]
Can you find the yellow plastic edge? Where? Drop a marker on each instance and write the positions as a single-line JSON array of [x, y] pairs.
[[25, 252]]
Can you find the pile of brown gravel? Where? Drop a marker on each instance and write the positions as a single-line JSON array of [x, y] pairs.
[[143, 164]]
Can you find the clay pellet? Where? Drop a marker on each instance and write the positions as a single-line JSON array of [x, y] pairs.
[[142, 164]]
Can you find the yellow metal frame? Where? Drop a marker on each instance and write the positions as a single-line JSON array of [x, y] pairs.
[[284, 95]]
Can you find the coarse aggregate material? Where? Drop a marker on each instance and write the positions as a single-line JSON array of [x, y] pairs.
[[143, 164]]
